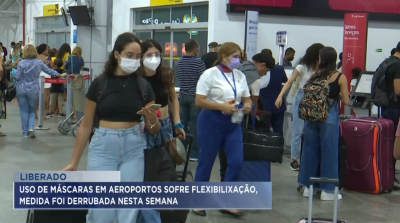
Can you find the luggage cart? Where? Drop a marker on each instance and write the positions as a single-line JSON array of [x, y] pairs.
[[78, 101]]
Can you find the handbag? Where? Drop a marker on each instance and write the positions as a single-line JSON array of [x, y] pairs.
[[158, 165], [257, 146], [10, 93], [177, 153]]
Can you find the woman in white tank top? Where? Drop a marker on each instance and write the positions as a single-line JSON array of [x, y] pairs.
[[301, 74]]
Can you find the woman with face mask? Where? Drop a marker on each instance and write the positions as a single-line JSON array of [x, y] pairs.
[[224, 97], [118, 143], [162, 81]]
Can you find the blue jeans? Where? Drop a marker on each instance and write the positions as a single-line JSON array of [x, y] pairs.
[[27, 106], [320, 156], [189, 113], [216, 131], [148, 215], [165, 130], [117, 150], [298, 126]]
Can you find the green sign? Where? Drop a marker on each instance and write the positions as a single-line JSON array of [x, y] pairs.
[[378, 50]]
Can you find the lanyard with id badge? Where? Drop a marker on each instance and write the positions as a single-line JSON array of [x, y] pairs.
[[237, 116]]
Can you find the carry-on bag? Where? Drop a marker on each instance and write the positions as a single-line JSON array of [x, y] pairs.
[[261, 146], [369, 156], [310, 218]]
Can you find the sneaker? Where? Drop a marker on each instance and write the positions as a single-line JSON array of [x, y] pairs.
[[194, 159], [61, 115], [48, 114], [25, 136], [294, 165], [329, 196], [32, 134], [306, 192]]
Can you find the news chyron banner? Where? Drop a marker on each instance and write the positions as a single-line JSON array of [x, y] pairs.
[[99, 189]]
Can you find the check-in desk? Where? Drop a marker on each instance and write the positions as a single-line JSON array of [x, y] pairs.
[[363, 90]]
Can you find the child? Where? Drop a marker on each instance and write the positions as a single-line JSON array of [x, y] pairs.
[[56, 92], [355, 75]]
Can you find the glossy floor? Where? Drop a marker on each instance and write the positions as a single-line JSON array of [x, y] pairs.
[[52, 151]]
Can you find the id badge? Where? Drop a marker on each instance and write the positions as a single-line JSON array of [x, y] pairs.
[[237, 117]]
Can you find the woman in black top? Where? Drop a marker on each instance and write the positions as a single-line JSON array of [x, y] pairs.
[[118, 142], [162, 81]]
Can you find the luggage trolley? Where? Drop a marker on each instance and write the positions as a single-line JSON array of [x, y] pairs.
[[77, 86]]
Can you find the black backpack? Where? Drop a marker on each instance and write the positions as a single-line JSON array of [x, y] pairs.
[[103, 80], [379, 94]]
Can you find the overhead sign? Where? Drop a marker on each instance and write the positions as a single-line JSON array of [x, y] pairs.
[[251, 34], [281, 38], [49, 10], [165, 2]]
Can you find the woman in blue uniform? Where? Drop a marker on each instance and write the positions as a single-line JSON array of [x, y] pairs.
[[220, 91]]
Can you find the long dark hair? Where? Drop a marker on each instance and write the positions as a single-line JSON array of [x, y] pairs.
[[65, 48], [339, 65], [310, 59], [120, 43], [327, 63], [165, 74]]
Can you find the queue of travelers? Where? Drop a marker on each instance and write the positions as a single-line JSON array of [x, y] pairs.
[[27, 64], [216, 91]]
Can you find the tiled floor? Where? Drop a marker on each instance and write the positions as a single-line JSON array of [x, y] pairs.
[[52, 151]]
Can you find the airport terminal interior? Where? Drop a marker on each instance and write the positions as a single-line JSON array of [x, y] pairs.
[[89, 28]]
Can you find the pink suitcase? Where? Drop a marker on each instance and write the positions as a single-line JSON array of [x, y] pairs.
[[369, 156]]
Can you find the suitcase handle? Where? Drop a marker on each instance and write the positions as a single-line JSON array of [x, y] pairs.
[[314, 180]]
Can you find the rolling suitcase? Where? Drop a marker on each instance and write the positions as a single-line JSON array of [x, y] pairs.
[[310, 218], [369, 156]]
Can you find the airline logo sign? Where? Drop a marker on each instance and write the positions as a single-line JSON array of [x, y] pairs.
[[49, 10], [165, 2]]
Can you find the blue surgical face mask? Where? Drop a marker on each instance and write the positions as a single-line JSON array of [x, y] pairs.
[[234, 64]]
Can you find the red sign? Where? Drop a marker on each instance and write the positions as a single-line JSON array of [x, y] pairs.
[[380, 6], [354, 42]]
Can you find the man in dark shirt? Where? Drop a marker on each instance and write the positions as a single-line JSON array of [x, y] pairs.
[[392, 111], [289, 57], [212, 56]]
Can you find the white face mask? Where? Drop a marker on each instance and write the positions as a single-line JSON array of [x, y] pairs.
[[152, 63], [129, 65]]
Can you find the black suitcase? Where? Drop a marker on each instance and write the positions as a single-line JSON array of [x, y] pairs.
[[180, 216], [56, 216]]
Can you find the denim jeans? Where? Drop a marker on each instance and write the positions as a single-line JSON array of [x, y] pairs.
[[165, 130], [148, 215], [298, 126], [320, 156], [189, 113], [117, 150], [27, 106]]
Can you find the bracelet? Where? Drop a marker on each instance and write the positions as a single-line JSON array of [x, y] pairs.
[[152, 126], [179, 125]]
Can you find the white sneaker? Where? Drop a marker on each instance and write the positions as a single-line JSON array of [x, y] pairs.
[[306, 192], [31, 134], [329, 196]]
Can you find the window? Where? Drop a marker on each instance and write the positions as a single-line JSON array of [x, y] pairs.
[[161, 16], [200, 12], [143, 17], [52, 31], [181, 14]]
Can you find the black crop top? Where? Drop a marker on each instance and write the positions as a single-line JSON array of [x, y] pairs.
[[160, 90], [334, 88], [118, 103]]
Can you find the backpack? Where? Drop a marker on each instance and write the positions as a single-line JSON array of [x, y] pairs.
[[314, 105], [103, 80], [379, 95]]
